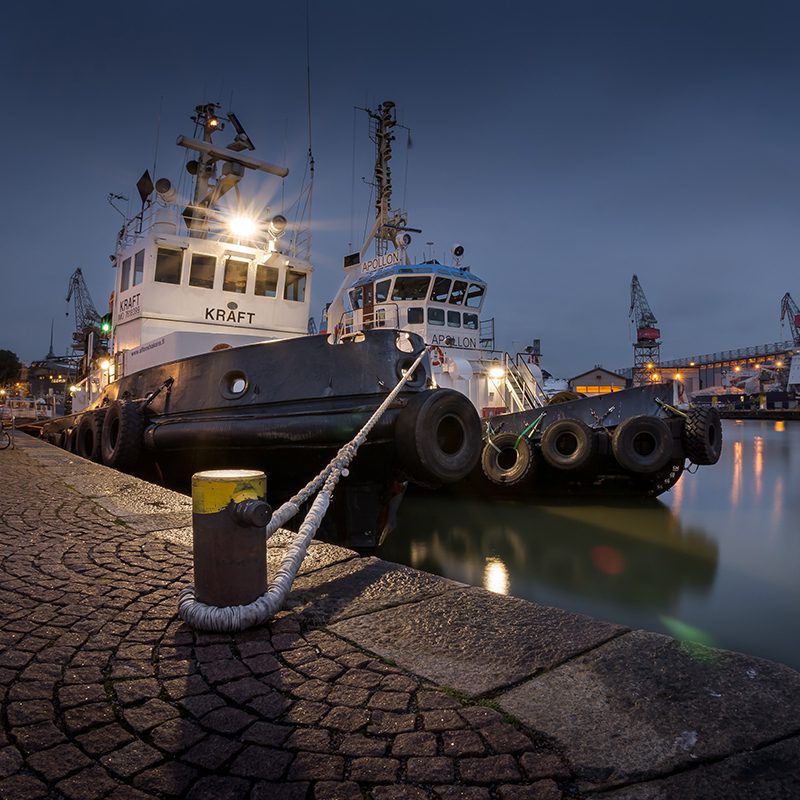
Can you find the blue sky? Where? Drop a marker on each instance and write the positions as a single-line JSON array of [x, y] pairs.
[[565, 145]]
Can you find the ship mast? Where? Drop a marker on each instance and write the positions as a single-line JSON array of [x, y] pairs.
[[209, 187], [389, 227]]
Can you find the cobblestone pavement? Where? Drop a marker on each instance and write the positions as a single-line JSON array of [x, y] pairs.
[[107, 694]]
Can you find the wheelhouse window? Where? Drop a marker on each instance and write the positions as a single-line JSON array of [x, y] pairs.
[[475, 295], [295, 288], [382, 291], [266, 281], [441, 289], [471, 321], [138, 268], [168, 265], [125, 278], [453, 319], [411, 288], [355, 298], [459, 290], [416, 316], [201, 271], [435, 316], [235, 279]]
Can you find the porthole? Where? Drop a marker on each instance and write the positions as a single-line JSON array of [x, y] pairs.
[[234, 384]]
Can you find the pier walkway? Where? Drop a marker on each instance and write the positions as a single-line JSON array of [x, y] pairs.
[[378, 682]]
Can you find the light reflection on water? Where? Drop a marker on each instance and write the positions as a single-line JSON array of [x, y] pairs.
[[715, 559]]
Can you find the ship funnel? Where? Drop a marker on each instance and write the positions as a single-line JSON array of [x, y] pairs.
[[166, 190]]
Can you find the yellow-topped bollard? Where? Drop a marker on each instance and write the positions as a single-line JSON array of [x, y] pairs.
[[229, 514]]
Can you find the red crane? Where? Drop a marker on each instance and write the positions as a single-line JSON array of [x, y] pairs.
[[647, 347]]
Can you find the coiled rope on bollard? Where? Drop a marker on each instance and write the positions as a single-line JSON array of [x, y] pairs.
[[237, 618]]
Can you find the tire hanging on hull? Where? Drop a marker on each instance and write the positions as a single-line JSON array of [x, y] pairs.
[[438, 437], [507, 460], [642, 444], [702, 435], [568, 444], [87, 440], [121, 440]]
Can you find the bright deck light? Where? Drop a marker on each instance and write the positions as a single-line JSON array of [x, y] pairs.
[[242, 226], [496, 373], [105, 364]]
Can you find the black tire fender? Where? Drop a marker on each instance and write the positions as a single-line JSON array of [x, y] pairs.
[[71, 439], [506, 461], [87, 440], [438, 437], [567, 444], [642, 444], [121, 440], [702, 435]]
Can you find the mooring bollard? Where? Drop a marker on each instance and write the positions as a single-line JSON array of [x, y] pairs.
[[229, 514]]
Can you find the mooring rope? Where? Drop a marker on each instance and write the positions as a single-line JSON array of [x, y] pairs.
[[238, 618]]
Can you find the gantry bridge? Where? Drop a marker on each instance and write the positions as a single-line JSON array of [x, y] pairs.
[[703, 371]]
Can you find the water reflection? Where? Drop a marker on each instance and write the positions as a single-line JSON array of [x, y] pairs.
[[715, 560], [495, 576], [629, 554]]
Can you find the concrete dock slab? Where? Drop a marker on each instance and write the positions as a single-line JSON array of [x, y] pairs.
[[376, 682]]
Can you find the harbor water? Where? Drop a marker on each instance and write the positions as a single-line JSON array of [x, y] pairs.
[[714, 561]]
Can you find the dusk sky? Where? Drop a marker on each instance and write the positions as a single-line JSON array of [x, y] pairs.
[[566, 145]]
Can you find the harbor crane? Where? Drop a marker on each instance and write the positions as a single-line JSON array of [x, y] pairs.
[[87, 319], [790, 311], [647, 347]]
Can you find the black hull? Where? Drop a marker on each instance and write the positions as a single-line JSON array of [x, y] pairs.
[[284, 407], [601, 473]]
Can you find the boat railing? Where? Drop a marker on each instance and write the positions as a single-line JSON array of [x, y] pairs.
[[520, 365], [513, 380], [158, 213], [384, 315]]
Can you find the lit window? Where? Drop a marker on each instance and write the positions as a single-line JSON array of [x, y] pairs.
[[459, 290], [201, 272], [235, 279], [411, 288], [441, 289], [138, 268], [295, 288], [475, 295], [435, 316], [125, 279], [266, 281], [168, 266], [416, 316]]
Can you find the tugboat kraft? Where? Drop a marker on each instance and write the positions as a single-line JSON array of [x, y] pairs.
[[210, 363]]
